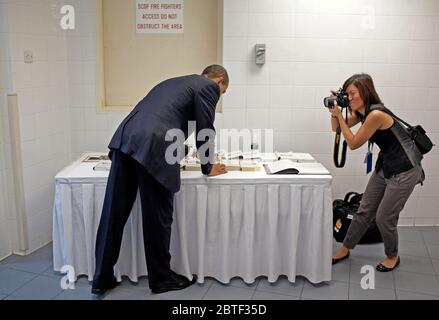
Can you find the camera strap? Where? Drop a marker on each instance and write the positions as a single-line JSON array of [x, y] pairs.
[[341, 163]]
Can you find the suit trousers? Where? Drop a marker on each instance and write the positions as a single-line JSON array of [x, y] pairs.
[[383, 200], [125, 178]]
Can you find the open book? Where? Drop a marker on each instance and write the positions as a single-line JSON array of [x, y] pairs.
[[242, 155], [295, 156], [287, 166], [102, 165]]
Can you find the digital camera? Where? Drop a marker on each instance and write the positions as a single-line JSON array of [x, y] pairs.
[[340, 96]]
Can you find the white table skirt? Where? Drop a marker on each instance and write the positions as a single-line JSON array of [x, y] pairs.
[[221, 229]]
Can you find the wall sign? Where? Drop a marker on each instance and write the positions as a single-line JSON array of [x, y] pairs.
[[159, 16]]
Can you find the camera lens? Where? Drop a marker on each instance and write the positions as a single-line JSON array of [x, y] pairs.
[[329, 102]]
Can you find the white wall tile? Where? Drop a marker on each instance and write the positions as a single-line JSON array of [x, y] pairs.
[[313, 142], [258, 96], [260, 6], [283, 25], [281, 119], [56, 48], [236, 25], [419, 222], [76, 96], [260, 25], [27, 127], [257, 118], [42, 125], [235, 97], [304, 96], [257, 75], [236, 6], [282, 141], [406, 222], [376, 51], [424, 28], [89, 96], [281, 96], [421, 52], [89, 72], [234, 49], [95, 121], [234, 118], [433, 98], [307, 6], [284, 6], [75, 71], [237, 72], [283, 49], [96, 141]]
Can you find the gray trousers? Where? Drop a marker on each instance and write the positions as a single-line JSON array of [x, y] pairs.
[[383, 200]]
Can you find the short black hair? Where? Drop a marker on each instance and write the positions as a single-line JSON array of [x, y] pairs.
[[216, 71]]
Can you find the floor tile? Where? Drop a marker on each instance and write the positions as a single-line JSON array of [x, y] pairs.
[[340, 271], [36, 262], [410, 234], [415, 249], [367, 254], [224, 292], [122, 294], [12, 297], [31, 264], [282, 286], [433, 250], [358, 293], [436, 265], [431, 235], [194, 292], [416, 265], [51, 273], [419, 283], [141, 284], [382, 279], [405, 295], [41, 287], [262, 295], [6, 263], [333, 291], [79, 293], [11, 280]]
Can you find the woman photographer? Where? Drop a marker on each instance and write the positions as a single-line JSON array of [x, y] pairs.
[[397, 170]]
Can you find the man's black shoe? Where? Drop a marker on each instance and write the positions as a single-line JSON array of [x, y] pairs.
[[100, 290], [174, 282]]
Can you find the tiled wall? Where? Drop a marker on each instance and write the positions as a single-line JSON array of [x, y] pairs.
[[312, 47], [6, 222], [91, 130], [43, 101]]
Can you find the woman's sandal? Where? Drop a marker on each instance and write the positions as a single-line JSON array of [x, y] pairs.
[[382, 268], [337, 260]]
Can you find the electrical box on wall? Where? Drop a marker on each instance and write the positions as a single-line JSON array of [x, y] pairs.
[[260, 53], [28, 56]]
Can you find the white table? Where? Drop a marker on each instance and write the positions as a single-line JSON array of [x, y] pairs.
[[241, 224]]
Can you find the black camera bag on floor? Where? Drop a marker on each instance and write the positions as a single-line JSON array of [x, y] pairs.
[[343, 212]]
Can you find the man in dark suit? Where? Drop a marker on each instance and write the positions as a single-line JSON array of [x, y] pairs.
[[139, 151]]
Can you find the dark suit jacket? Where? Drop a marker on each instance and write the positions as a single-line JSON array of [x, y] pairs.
[[169, 105]]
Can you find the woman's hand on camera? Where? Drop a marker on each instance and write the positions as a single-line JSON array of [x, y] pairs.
[[335, 110]]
